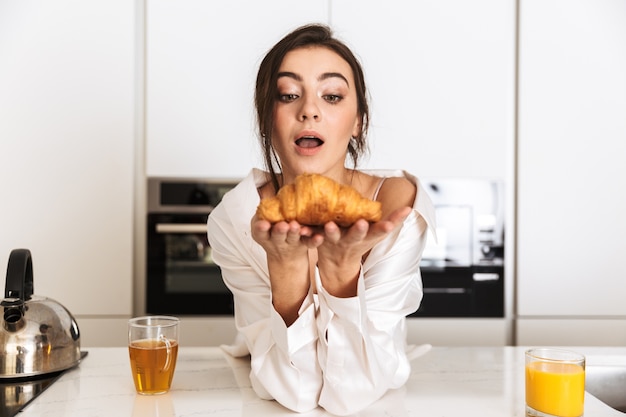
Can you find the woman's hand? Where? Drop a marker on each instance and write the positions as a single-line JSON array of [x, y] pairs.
[[288, 263], [341, 250], [281, 240]]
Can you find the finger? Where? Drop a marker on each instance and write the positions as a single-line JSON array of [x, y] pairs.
[[293, 233], [360, 226], [306, 231], [395, 219], [358, 231], [278, 232], [332, 232], [314, 241], [261, 229]]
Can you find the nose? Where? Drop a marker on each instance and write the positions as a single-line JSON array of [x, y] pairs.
[[309, 110]]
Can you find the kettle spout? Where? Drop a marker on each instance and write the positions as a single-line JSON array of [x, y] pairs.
[[13, 317]]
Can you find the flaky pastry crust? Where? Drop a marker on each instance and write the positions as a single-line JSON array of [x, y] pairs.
[[316, 200]]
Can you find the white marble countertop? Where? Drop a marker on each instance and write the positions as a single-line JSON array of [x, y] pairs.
[[454, 381]]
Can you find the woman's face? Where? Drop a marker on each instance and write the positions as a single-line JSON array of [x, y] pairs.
[[315, 113]]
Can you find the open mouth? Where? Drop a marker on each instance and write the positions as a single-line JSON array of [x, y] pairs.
[[309, 142]]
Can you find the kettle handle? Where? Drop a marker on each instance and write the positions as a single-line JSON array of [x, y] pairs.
[[19, 282]]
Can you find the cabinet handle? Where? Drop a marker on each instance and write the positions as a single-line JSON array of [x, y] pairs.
[[445, 290], [181, 228], [485, 276]]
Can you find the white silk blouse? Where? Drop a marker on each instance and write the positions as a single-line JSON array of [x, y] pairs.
[[341, 354]]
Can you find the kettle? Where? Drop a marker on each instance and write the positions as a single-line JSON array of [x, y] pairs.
[[37, 334]]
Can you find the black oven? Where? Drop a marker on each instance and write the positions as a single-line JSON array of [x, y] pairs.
[[463, 272], [181, 277], [462, 291]]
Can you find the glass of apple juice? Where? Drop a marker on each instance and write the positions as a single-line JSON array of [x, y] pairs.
[[153, 350]]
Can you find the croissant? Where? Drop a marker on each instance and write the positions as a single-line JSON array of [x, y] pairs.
[[316, 200]]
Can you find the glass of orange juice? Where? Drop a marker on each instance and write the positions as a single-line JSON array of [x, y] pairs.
[[555, 383]]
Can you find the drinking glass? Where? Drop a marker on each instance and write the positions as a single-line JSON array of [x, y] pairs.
[[555, 383], [153, 349]]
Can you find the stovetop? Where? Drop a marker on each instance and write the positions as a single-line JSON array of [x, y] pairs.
[[16, 393]]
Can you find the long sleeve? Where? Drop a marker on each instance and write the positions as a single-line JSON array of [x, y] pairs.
[[283, 360], [362, 353], [341, 354]]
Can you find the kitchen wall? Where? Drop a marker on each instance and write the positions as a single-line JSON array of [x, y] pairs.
[[85, 116]]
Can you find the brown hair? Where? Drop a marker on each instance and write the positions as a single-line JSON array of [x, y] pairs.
[[266, 91]]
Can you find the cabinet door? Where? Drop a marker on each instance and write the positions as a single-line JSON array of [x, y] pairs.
[[67, 148], [202, 58], [441, 76], [572, 148]]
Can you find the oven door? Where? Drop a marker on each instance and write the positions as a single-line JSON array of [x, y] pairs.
[[181, 276], [465, 291]]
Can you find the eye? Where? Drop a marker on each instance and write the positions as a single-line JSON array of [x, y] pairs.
[[287, 98], [333, 98]]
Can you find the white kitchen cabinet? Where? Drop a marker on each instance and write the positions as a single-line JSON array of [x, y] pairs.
[[67, 152], [441, 76], [201, 64], [571, 331], [458, 331], [571, 171], [442, 82]]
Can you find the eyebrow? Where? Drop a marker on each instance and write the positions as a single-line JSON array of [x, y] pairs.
[[322, 77]]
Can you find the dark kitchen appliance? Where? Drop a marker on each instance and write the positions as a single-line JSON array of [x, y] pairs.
[[17, 393], [463, 272], [181, 277]]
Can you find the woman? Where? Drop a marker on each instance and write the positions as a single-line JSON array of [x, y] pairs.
[[321, 310]]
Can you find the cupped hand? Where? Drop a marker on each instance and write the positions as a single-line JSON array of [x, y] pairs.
[[287, 261], [360, 237], [280, 240], [342, 250]]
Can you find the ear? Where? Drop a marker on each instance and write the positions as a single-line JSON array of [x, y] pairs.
[[356, 130]]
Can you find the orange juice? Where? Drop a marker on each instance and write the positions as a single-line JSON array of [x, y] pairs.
[[555, 388]]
